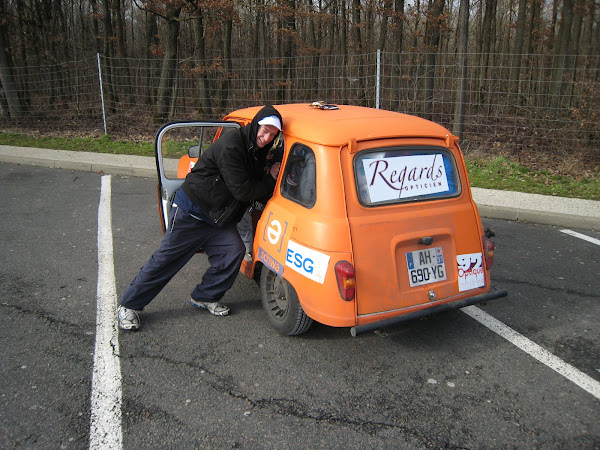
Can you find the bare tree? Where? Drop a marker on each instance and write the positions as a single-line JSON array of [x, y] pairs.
[[151, 43], [561, 51], [202, 63], [386, 15], [432, 41], [589, 45], [167, 75], [517, 53], [461, 62], [13, 101], [227, 55], [357, 25], [95, 25], [487, 37], [398, 40]]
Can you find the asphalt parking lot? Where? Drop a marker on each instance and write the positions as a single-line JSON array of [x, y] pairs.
[[518, 372]]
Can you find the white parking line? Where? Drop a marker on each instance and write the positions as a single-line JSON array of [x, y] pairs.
[[582, 236], [542, 355], [105, 423]]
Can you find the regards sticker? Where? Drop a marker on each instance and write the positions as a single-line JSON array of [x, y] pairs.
[[471, 274], [405, 176]]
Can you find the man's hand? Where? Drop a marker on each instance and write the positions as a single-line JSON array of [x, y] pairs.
[[275, 170]]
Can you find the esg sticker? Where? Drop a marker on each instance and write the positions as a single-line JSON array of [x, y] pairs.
[[308, 262], [470, 271]]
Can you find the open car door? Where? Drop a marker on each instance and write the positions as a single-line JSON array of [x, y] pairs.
[[177, 148]]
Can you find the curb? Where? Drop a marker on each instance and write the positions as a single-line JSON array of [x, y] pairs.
[[536, 208]]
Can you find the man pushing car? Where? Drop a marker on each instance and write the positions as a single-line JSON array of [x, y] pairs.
[[227, 177]]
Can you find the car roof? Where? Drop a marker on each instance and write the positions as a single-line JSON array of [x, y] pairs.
[[336, 127]]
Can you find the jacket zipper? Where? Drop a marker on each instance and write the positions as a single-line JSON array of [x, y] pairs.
[[227, 210]]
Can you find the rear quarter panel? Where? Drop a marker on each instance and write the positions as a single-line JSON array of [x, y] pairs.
[[288, 233]]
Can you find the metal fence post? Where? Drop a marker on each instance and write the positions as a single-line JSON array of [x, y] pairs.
[[101, 92], [378, 80]]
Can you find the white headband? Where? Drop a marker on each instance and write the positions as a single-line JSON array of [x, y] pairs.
[[271, 120]]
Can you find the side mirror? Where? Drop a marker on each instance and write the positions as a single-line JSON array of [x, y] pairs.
[[194, 151]]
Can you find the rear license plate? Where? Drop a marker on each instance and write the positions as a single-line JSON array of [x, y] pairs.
[[425, 266]]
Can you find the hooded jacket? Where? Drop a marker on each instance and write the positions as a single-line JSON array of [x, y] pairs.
[[231, 173]]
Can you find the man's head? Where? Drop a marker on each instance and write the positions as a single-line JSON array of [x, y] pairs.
[[268, 123], [265, 135]]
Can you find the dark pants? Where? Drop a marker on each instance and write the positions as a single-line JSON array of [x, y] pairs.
[[186, 235]]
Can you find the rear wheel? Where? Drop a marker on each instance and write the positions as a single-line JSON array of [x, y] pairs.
[[280, 302]]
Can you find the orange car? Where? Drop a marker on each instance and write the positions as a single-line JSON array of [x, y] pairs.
[[371, 222]]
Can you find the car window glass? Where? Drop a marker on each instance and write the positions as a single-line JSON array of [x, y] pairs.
[[399, 174], [300, 177]]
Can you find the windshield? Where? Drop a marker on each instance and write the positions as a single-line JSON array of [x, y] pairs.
[[402, 174]]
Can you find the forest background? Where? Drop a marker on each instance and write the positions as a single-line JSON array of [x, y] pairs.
[[515, 78]]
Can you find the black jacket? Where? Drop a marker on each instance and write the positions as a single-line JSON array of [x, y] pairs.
[[231, 173]]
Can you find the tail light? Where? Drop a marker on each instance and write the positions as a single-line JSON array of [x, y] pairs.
[[346, 279], [488, 251]]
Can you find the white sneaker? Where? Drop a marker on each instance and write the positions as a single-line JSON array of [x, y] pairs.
[[128, 319], [216, 308]]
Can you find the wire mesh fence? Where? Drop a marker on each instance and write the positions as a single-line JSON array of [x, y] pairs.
[[525, 104]]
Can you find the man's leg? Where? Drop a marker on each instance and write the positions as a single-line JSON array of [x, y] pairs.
[[225, 251], [180, 243], [244, 226]]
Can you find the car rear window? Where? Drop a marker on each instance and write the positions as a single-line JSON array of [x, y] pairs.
[[403, 174]]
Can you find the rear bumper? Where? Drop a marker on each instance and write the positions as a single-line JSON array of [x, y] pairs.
[[354, 331]]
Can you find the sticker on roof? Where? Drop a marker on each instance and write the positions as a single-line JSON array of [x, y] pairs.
[[323, 105]]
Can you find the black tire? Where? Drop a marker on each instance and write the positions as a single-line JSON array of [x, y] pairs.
[[280, 302]]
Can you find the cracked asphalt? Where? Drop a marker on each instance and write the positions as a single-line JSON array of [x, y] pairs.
[[191, 380]]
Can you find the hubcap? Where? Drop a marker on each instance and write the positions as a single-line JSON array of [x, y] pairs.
[[278, 302]]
